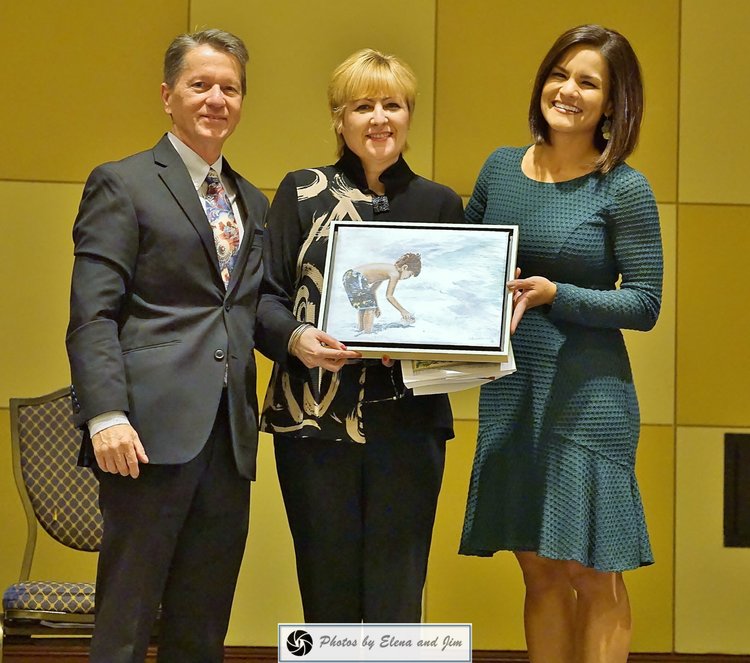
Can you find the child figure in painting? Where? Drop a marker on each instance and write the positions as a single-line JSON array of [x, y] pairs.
[[361, 284]]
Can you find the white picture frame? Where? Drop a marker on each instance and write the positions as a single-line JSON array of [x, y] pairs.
[[458, 306]]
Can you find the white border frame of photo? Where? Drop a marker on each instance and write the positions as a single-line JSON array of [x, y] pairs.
[[448, 348]]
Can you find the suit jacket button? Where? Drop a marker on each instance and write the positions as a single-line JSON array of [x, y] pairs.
[[219, 355], [228, 308]]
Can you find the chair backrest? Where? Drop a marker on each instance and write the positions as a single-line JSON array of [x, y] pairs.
[[63, 497]]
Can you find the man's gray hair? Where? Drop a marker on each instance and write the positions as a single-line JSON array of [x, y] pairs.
[[221, 40]]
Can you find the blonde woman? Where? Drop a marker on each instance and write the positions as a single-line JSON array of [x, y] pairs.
[[360, 459]]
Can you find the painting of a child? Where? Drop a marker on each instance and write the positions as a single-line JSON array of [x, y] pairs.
[[361, 285]]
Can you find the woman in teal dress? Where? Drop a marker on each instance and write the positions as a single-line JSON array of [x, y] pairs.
[[553, 478]]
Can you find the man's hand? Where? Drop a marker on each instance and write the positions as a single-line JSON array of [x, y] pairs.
[[118, 450]]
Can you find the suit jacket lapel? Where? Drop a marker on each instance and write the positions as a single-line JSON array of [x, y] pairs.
[[248, 224], [174, 174]]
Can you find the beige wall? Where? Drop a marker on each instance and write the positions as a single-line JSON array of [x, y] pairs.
[[84, 89]]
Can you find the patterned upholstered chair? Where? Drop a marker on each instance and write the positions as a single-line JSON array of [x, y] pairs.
[[63, 499]]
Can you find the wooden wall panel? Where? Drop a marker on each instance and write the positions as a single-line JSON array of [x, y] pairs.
[[487, 56], [36, 257], [294, 47], [713, 102], [85, 79], [713, 364], [712, 583]]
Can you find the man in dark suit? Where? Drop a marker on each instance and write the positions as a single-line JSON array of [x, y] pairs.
[[160, 341]]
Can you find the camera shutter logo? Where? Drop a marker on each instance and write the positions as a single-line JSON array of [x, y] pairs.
[[299, 643]]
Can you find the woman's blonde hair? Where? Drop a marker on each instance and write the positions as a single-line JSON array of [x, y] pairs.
[[365, 74]]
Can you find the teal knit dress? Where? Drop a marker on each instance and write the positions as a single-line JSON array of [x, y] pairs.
[[554, 464]]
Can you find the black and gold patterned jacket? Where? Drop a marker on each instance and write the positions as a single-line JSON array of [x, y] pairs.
[[365, 395]]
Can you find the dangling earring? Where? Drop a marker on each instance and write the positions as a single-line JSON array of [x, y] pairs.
[[607, 128]]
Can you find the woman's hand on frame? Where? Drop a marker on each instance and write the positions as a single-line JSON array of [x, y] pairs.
[[316, 349], [529, 293]]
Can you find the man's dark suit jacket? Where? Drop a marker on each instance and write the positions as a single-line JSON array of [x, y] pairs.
[[152, 324]]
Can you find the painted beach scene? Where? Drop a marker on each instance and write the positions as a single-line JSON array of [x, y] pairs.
[[425, 286]]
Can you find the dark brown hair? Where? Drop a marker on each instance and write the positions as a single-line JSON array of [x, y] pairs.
[[413, 262], [625, 92], [220, 40]]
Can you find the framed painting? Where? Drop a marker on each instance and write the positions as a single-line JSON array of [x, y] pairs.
[[420, 290]]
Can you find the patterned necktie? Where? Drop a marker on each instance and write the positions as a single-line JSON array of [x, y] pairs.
[[221, 218]]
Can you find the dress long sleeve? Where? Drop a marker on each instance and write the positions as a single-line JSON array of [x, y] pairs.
[[637, 249]]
